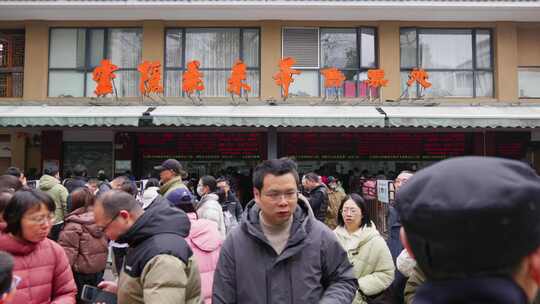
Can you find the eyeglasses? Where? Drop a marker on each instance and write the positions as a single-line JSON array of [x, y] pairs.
[[44, 219], [276, 196], [104, 228], [15, 282], [350, 211]]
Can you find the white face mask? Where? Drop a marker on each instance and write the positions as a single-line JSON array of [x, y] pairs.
[[200, 190]]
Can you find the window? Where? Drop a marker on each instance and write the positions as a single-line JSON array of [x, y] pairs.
[[351, 50], [11, 63], [459, 61], [217, 49], [75, 52], [529, 80]]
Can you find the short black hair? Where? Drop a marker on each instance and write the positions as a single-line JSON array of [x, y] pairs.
[[366, 220], [114, 201], [52, 171], [210, 182], [5, 197], [126, 185], [275, 167], [151, 182], [312, 176], [222, 179], [14, 171], [187, 208], [80, 170], [6, 272], [10, 182], [20, 203]]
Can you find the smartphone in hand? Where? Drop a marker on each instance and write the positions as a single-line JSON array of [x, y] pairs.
[[92, 294]]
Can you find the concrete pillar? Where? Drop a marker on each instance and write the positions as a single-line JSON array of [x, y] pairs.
[[270, 56], [506, 62], [272, 143], [389, 59], [153, 44], [36, 60], [18, 149]]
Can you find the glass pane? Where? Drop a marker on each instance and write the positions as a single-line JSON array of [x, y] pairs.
[[450, 84], [305, 84], [483, 49], [529, 80], [91, 86], [67, 48], [127, 83], [368, 47], [214, 48], [484, 84], [407, 42], [339, 48], [446, 49], [66, 84], [253, 80], [215, 83], [413, 90], [97, 42], [251, 48], [349, 88], [173, 85], [364, 88], [174, 48], [125, 47]]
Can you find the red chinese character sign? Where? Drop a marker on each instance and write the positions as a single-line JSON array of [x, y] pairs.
[[150, 78], [192, 81], [333, 81], [104, 76], [419, 76], [376, 81], [284, 78], [236, 83]]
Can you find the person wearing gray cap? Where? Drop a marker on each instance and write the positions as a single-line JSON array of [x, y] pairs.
[[473, 226], [170, 175]]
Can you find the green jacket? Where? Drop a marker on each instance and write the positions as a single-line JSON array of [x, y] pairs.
[[371, 259], [416, 279], [51, 186], [171, 185], [165, 279]]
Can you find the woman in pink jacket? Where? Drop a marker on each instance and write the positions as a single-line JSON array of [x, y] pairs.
[[40, 263], [204, 239]]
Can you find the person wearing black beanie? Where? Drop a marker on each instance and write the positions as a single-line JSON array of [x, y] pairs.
[[473, 226]]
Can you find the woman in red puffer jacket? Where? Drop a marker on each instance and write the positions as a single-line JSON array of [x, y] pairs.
[[40, 263]]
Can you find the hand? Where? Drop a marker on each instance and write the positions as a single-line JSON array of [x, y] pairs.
[[108, 286]]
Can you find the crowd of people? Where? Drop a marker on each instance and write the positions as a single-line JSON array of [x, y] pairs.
[[464, 230]]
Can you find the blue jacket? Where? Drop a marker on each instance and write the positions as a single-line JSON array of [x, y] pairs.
[[487, 290]]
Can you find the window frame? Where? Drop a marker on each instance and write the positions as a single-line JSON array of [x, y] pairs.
[[183, 59], [535, 67], [12, 69], [359, 69], [87, 55], [474, 70]]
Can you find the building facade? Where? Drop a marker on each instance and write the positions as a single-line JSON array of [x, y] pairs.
[[482, 58]]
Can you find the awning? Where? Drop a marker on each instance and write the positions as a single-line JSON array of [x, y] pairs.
[[463, 116], [268, 116], [70, 116]]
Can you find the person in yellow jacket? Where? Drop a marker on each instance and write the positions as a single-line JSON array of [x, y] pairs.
[[366, 249]]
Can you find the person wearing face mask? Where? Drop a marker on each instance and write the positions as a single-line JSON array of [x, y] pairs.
[[336, 194], [209, 207]]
